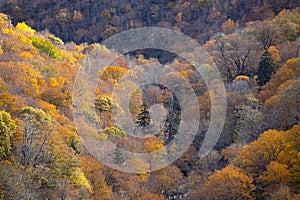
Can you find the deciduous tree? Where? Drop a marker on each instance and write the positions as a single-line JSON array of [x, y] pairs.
[[229, 183], [7, 129], [36, 132]]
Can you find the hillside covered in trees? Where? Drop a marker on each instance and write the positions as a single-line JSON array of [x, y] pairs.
[[254, 44], [93, 21]]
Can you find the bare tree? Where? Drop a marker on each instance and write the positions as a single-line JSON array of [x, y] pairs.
[[267, 33], [234, 52], [36, 132]]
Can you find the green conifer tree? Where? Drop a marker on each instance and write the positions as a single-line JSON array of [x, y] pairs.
[[118, 156], [143, 117], [266, 68]]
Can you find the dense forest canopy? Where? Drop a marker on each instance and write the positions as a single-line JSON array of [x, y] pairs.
[[44, 45], [93, 21]]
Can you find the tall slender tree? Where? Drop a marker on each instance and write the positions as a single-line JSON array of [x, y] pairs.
[[266, 68], [143, 117]]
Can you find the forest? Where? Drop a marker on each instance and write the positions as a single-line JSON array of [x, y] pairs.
[[46, 45]]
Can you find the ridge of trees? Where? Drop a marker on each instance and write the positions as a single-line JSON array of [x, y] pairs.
[[257, 156]]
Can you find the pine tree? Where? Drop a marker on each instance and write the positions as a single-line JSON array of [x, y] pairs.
[[266, 68], [143, 120], [172, 120], [171, 126], [143, 117], [118, 156]]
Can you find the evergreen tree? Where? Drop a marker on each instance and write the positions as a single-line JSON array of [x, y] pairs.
[[171, 126], [266, 68], [143, 117], [118, 156], [143, 120], [172, 119]]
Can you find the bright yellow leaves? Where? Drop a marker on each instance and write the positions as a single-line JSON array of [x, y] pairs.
[[26, 55], [53, 82], [68, 56], [93, 170], [256, 156], [273, 159], [30, 73], [241, 78], [8, 31], [10, 103], [229, 183], [153, 144], [113, 74], [7, 129], [22, 76], [24, 28], [78, 178], [114, 131], [154, 147]]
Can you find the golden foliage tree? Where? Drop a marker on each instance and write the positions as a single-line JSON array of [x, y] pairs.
[[229, 183]]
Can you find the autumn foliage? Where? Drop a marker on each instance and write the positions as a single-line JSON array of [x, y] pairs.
[[256, 157]]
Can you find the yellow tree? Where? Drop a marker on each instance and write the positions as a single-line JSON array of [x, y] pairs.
[[283, 105], [229, 183], [94, 172], [276, 175], [288, 71], [105, 105], [23, 77], [65, 173], [11, 103], [114, 72], [291, 155], [273, 160], [153, 147], [256, 156], [7, 129]]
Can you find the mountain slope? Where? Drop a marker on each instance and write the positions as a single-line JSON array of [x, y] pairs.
[[93, 21]]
